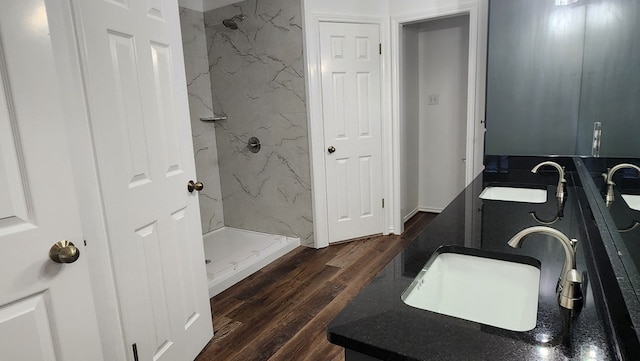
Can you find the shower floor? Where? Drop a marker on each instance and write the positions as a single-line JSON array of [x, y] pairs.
[[235, 254]]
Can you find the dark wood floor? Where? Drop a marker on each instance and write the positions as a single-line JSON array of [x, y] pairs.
[[281, 312]]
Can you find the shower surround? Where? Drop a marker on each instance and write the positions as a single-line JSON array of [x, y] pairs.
[[196, 62], [257, 80]]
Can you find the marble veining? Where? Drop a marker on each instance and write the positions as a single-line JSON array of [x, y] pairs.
[[257, 80], [200, 105]]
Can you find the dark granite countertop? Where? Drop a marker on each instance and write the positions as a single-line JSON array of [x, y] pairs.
[[377, 322]]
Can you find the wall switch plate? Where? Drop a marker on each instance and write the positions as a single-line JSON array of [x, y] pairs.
[[433, 99]]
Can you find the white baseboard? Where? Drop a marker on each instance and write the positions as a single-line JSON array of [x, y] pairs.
[[411, 214], [431, 210], [421, 209]]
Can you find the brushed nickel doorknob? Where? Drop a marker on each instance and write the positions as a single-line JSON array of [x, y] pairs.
[[331, 149], [197, 186], [64, 252]]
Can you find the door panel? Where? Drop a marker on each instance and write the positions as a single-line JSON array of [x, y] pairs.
[[30, 318], [13, 190], [46, 308], [141, 130], [165, 103], [127, 112], [351, 106], [366, 196]]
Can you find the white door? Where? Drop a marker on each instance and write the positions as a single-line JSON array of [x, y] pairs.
[[350, 63], [46, 308], [136, 89]]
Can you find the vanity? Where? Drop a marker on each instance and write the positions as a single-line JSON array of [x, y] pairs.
[[562, 79], [379, 325]]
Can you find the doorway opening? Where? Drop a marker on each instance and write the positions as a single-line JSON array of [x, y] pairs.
[[435, 112], [439, 60]]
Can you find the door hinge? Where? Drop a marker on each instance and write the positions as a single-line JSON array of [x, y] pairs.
[[380, 47], [135, 352], [382, 202]]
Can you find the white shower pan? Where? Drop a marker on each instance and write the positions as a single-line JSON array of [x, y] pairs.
[[235, 254]]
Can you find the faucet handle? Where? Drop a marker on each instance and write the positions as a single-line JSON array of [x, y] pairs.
[[574, 244], [570, 296]]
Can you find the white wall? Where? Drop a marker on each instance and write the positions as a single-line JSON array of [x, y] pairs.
[[406, 7], [347, 7], [410, 121], [443, 54]]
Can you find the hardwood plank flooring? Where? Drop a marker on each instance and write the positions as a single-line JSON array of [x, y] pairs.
[[281, 312]]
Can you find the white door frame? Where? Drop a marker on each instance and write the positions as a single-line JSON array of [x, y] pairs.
[[475, 93], [316, 126]]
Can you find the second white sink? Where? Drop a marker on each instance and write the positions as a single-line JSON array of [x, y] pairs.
[[511, 194], [491, 291], [632, 200]]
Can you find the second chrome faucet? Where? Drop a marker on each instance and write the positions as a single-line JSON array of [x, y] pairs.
[[561, 179], [569, 283]]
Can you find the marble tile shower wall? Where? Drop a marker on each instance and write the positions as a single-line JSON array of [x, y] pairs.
[[257, 80], [204, 139]]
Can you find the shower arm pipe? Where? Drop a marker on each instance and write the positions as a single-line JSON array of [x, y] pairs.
[[231, 23]]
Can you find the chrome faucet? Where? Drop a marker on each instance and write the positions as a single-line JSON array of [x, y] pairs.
[[569, 283], [608, 177], [561, 180]]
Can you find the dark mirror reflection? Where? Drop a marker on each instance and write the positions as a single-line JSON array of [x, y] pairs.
[[620, 190], [557, 71], [563, 78]]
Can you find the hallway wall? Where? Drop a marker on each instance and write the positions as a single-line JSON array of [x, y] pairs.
[[410, 122], [435, 62], [444, 58], [200, 105], [257, 80]]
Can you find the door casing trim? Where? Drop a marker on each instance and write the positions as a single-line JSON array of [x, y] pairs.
[[313, 86]]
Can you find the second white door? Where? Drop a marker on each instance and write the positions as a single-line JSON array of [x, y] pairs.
[[136, 87], [350, 63]]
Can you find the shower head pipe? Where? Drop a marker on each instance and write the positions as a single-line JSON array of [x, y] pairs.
[[231, 23]]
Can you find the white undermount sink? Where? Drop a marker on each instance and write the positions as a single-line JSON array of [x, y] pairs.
[[632, 200], [490, 291], [512, 194]]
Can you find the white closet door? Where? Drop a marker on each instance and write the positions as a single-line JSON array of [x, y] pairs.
[[350, 63]]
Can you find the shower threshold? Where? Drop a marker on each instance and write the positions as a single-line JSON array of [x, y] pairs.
[[235, 254]]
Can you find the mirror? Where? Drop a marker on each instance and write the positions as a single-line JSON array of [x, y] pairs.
[[611, 78], [558, 67], [556, 71], [624, 209]]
